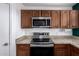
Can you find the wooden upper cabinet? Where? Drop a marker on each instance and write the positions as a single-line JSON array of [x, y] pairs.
[[55, 18], [65, 19], [26, 18], [36, 13], [59, 19], [74, 19], [45, 13]]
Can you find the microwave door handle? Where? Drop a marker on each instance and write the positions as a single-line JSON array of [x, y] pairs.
[[46, 22]]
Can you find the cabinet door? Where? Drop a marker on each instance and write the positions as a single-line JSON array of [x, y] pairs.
[[23, 49], [45, 13], [65, 19], [60, 50], [68, 49], [55, 15], [74, 19], [36, 13], [60, 53], [26, 16], [74, 51]]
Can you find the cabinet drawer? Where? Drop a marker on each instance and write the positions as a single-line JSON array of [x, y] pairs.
[[60, 53], [59, 49], [60, 46], [23, 46]]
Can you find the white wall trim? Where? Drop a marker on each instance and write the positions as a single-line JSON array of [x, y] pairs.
[[15, 28]]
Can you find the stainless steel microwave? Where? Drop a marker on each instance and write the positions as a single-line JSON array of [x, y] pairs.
[[41, 22]]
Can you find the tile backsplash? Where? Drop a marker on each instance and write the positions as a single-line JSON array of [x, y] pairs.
[[55, 32]]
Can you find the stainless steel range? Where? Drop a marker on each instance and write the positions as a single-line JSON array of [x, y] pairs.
[[42, 40], [41, 45]]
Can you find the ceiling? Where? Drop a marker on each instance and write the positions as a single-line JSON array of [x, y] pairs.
[[50, 4]]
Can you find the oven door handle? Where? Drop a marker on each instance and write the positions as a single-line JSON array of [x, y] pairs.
[[33, 45]]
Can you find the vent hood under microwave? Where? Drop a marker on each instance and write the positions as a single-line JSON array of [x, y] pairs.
[[41, 22]]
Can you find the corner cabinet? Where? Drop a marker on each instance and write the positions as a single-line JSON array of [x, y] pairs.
[[23, 49], [74, 51], [26, 16], [65, 50], [69, 19]]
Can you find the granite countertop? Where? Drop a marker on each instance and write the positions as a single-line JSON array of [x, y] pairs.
[[73, 40], [24, 40]]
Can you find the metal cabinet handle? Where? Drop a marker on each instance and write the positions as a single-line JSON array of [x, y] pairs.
[[5, 44]]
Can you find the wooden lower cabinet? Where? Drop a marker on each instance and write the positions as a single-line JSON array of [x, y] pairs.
[[65, 50], [23, 49], [74, 51], [61, 50]]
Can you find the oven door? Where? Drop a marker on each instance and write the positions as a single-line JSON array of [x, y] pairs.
[[41, 51]]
